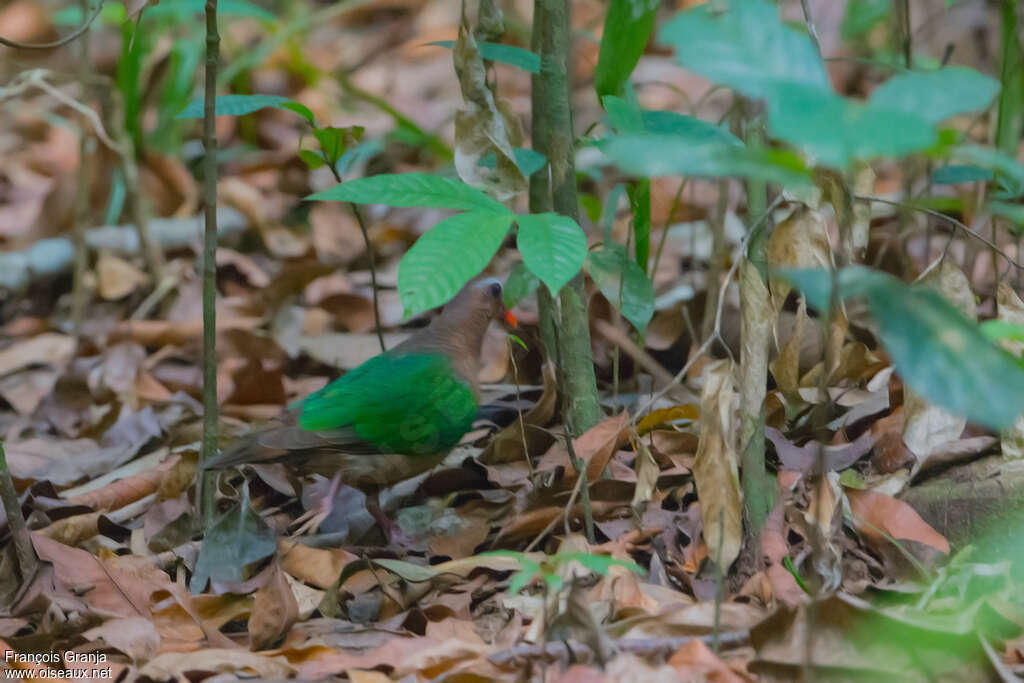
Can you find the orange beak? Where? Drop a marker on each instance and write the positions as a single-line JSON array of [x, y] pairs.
[[511, 319]]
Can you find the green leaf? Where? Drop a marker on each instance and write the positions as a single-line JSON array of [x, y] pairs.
[[619, 277], [506, 54], [862, 16], [519, 284], [599, 564], [553, 248], [448, 256], [656, 155], [936, 95], [235, 539], [954, 174], [184, 8], [938, 352], [412, 189], [313, 159], [745, 47], [626, 117], [332, 143], [628, 25], [235, 105], [997, 330], [1014, 212], [834, 130], [300, 109], [528, 161], [1007, 169], [640, 204]]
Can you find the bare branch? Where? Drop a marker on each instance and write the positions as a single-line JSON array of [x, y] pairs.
[[60, 42]]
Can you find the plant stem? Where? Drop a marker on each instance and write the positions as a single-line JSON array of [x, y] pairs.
[[79, 293], [210, 408], [373, 264], [28, 563], [553, 137]]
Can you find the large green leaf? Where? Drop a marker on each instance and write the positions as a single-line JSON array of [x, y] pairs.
[[936, 95], [237, 105], [953, 174], [506, 54], [939, 353], [627, 28], [745, 47], [448, 256], [412, 189], [519, 284], [623, 283], [553, 247], [834, 130], [654, 155], [184, 9], [235, 539], [626, 117]]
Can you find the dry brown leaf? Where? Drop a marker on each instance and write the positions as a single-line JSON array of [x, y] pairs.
[[927, 427], [1011, 310], [508, 445], [26, 390], [799, 241], [274, 610], [49, 348], [715, 470], [481, 127], [134, 636], [335, 233], [876, 512], [116, 278], [172, 666], [786, 366], [695, 660], [317, 566]]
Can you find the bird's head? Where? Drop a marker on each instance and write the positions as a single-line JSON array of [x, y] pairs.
[[484, 295]]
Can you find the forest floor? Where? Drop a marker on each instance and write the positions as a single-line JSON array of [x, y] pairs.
[[493, 576]]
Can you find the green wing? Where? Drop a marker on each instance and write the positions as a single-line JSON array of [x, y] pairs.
[[411, 403]]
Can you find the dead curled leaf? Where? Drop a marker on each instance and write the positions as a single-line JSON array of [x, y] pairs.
[[274, 610], [876, 513], [481, 127], [715, 471]]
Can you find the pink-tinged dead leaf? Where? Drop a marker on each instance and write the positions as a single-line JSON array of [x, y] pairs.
[[63, 462], [1011, 310], [172, 666], [335, 233], [774, 549], [50, 349], [804, 458], [24, 193], [876, 512], [26, 390], [136, 637], [249, 269], [274, 611], [695, 660], [715, 471]]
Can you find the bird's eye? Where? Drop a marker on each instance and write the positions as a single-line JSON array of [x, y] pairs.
[[495, 290]]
